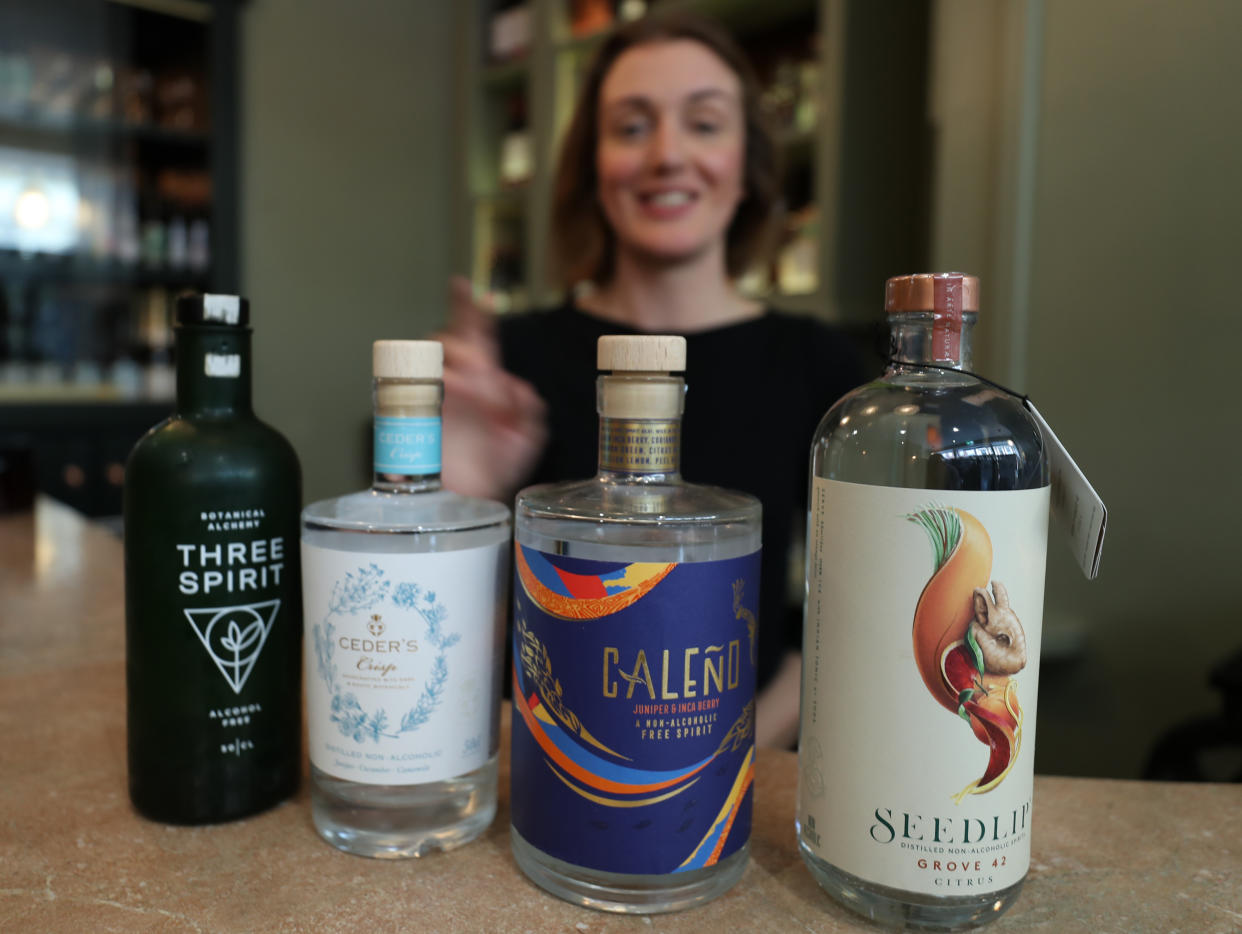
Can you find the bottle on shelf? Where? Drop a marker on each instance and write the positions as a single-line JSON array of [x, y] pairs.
[[212, 588], [405, 617], [631, 792], [517, 145], [926, 543]]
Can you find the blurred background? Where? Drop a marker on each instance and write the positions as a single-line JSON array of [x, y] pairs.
[[338, 162]]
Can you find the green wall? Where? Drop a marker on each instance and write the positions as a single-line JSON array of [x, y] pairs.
[[1134, 322], [347, 178], [1087, 166]]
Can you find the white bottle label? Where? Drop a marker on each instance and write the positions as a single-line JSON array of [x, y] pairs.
[[924, 611], [226, 366], [400, 661]]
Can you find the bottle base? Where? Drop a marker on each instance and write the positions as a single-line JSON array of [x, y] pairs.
[[403, 821], [627, 893], [171, 799], [899, 909]]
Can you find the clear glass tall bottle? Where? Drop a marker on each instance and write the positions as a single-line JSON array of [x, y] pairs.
[[404, 591], [213, 649], [635, 604], [927, 534]]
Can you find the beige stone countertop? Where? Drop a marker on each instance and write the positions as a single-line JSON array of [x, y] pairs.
[[1108, 856]]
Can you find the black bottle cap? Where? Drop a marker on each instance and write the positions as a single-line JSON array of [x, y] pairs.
[[222, 310]]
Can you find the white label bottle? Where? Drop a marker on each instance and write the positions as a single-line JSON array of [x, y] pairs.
[[404, 589], [927, 534]]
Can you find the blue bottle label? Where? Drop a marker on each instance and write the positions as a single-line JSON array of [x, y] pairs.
[[633, 724], [407, 445]]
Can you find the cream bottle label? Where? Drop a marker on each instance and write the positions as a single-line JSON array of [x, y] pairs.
[[400, 653], [923, 622]]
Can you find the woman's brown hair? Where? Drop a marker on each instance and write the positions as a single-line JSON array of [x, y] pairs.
[[582, 240]]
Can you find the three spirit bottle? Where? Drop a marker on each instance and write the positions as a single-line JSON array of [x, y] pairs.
[[212, 592]]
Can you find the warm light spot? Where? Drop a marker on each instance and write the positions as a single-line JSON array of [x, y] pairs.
[[32, 210]]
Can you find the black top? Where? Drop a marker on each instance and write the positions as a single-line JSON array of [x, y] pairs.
[[756, 390]]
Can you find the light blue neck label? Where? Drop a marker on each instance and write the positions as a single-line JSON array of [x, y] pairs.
[[407, 445]]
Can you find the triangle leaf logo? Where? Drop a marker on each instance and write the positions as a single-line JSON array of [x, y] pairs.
[[234, 636]]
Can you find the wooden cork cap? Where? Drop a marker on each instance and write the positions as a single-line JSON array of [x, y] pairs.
[[407, 360], [641, 353]]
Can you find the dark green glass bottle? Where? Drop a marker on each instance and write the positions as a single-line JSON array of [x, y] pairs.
[[213, 598]]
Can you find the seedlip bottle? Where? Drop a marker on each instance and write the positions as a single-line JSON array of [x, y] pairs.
[[927, 534]]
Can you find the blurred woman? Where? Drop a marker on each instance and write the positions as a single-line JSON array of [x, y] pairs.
[[664, 192]]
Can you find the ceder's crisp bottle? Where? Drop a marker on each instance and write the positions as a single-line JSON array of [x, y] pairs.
[[925, 576], [212, 590], [404, 587], [635, 604]]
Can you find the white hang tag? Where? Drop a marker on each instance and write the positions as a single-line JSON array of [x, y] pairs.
[[1075, 504]]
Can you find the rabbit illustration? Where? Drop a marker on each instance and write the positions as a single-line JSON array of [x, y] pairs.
[[998, 632]]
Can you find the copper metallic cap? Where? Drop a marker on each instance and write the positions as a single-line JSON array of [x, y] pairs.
[[918, 292]]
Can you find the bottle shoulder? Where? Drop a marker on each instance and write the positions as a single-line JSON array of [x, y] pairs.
[[179, 430], [222, 448], [916, 430], [970, 405], [379, 511], [655, 503]]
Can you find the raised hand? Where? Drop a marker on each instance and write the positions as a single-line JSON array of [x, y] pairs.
[[494, 427]]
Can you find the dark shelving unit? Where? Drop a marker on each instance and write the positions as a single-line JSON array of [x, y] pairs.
[[135, 105]]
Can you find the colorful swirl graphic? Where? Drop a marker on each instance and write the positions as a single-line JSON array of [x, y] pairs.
[[567, 743], [567, 595], [618, 786]]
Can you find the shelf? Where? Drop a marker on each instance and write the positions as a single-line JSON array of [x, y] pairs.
[[102, 393], [73, 127], [581, 45], [73, 268], [506, 76], [798, 147], [509, 201], [747, 16]]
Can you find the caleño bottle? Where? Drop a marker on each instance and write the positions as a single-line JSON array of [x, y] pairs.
[[404, 593], [635, 623], [927, 536], [213, 619]]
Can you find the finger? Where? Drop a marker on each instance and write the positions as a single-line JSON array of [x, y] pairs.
[[472, 317], [495, 396], [466, 355]]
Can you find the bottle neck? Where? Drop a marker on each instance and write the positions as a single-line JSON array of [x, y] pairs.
[[407, 435], [922, 339], [213, 370], [640, 426]]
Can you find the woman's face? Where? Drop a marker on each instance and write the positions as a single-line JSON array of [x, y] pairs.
[[671, 155]]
